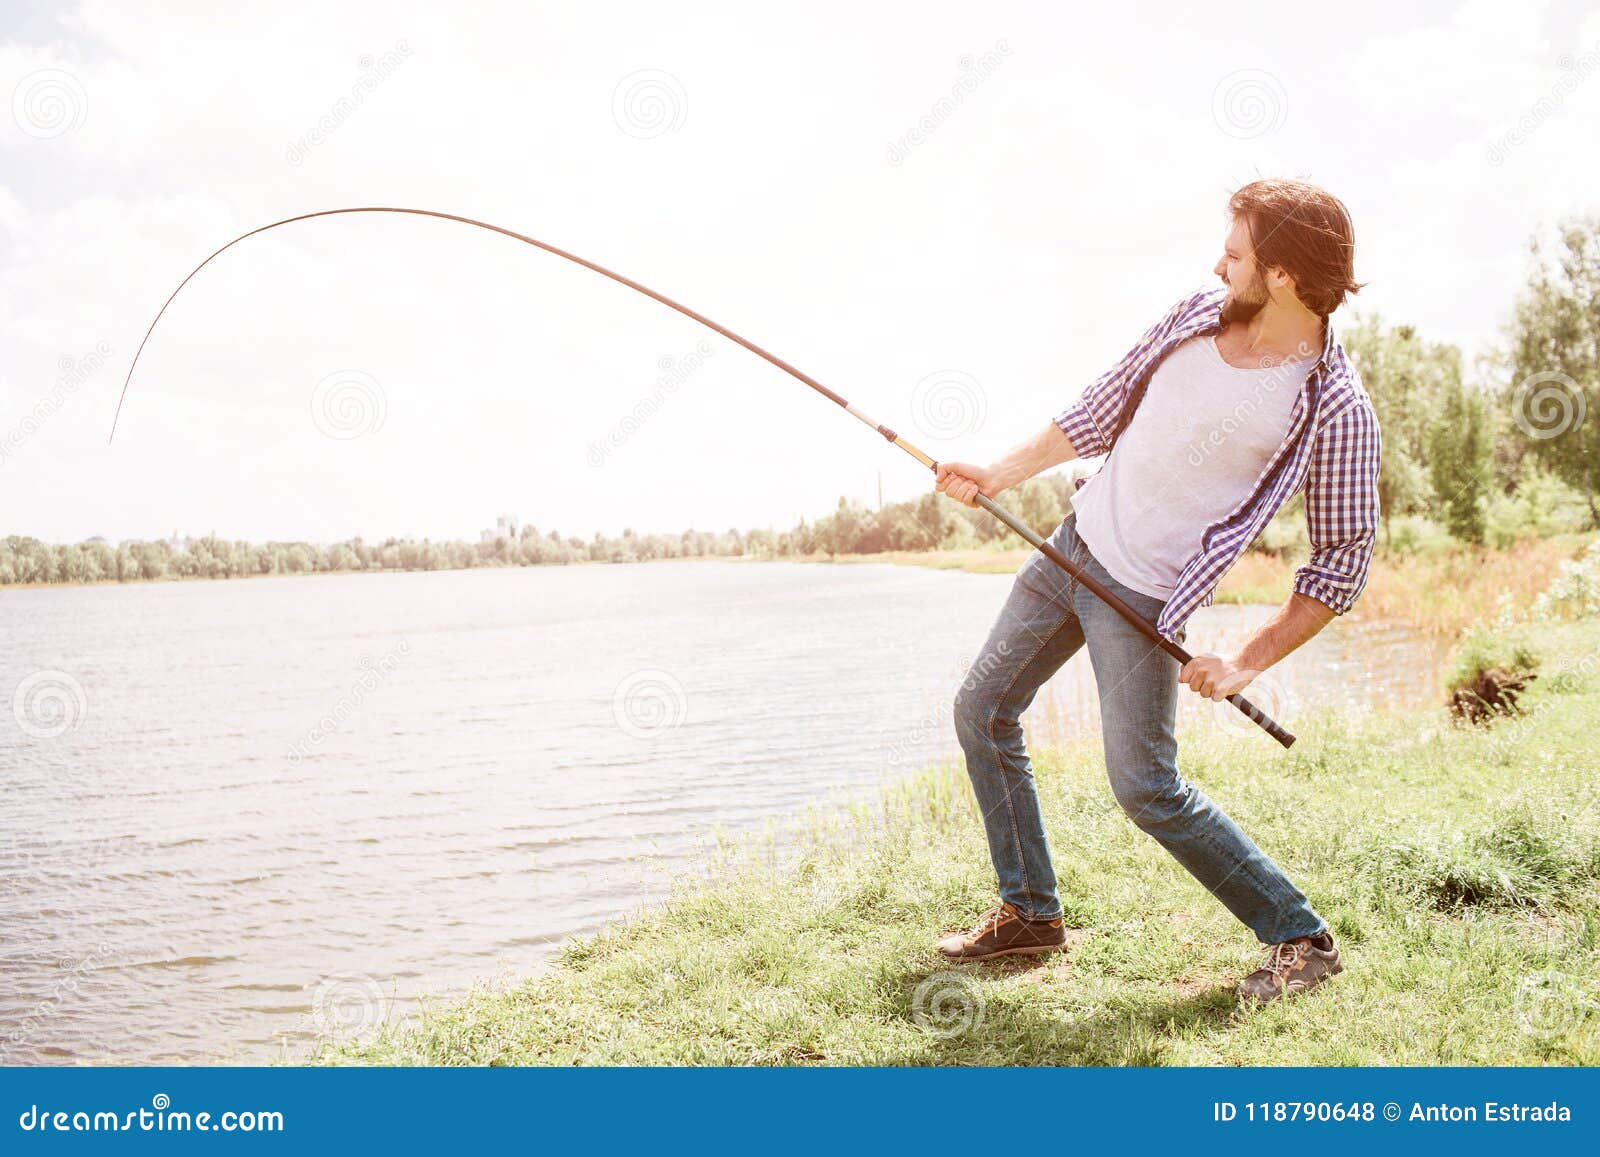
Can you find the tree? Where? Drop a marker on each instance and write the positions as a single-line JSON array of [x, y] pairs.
[[1554, 396], [1459, 454], [1039, 505], [1408, 380]]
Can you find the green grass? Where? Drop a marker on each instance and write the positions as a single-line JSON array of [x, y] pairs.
[[1460, 870]]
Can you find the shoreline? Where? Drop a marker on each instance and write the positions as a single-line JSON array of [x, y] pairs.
[[1469, 879], [1404, 586]]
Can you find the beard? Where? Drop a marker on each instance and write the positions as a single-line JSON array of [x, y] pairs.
[[1242, 305]]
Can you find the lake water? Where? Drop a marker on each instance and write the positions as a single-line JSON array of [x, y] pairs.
[[240, 813]]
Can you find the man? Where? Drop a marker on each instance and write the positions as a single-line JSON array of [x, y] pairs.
[[1234, 401]]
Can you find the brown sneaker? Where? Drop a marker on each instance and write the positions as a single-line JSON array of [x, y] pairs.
[[1291, 968], [1001, 931]]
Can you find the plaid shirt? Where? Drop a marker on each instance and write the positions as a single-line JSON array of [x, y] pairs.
[[1331, 450]]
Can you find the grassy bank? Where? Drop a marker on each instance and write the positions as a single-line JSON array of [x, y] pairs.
[[1459, 868]]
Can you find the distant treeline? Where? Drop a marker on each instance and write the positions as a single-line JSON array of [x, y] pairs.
[[928, 523], [1509, 452]]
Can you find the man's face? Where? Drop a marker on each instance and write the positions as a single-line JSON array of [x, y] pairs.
[[1247, 289]]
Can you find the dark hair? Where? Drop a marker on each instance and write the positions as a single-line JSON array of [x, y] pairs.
[[1304, 231]]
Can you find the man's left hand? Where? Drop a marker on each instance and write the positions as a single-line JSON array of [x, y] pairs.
[[1216, 676]]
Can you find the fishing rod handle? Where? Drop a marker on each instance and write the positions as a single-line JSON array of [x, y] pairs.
[[1260, 717]]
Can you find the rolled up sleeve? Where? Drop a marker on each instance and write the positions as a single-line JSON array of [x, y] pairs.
[[1342, 508]]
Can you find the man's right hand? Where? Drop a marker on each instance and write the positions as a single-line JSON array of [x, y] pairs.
[[964, 481]]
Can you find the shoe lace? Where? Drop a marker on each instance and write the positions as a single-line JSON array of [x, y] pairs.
[[1280, 957], [988, 920]]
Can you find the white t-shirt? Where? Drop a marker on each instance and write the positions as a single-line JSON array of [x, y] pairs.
[[1200, 438]]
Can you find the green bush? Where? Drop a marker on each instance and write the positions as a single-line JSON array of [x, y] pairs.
[[1533, 856], [1485, 648], [1413, 534], [1542, 505]]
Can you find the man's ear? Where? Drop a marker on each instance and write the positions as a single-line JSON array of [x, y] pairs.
[[1279, 282]]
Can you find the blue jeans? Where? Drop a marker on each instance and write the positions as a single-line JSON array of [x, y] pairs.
[[1046, 618]]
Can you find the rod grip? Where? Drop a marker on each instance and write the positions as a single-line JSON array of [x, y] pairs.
[[1266, 722]]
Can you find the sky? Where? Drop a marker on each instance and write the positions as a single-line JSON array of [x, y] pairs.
[[955, 215]]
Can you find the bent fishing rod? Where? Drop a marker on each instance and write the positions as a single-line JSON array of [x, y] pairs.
[[1099, 589]]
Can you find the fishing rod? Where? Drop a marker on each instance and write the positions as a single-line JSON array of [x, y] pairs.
[[1099, 589]]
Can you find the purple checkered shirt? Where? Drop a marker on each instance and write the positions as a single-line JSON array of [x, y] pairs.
[[1331, 449]]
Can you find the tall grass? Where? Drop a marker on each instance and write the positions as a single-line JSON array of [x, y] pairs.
[[1441, 591], [1427, 580]]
